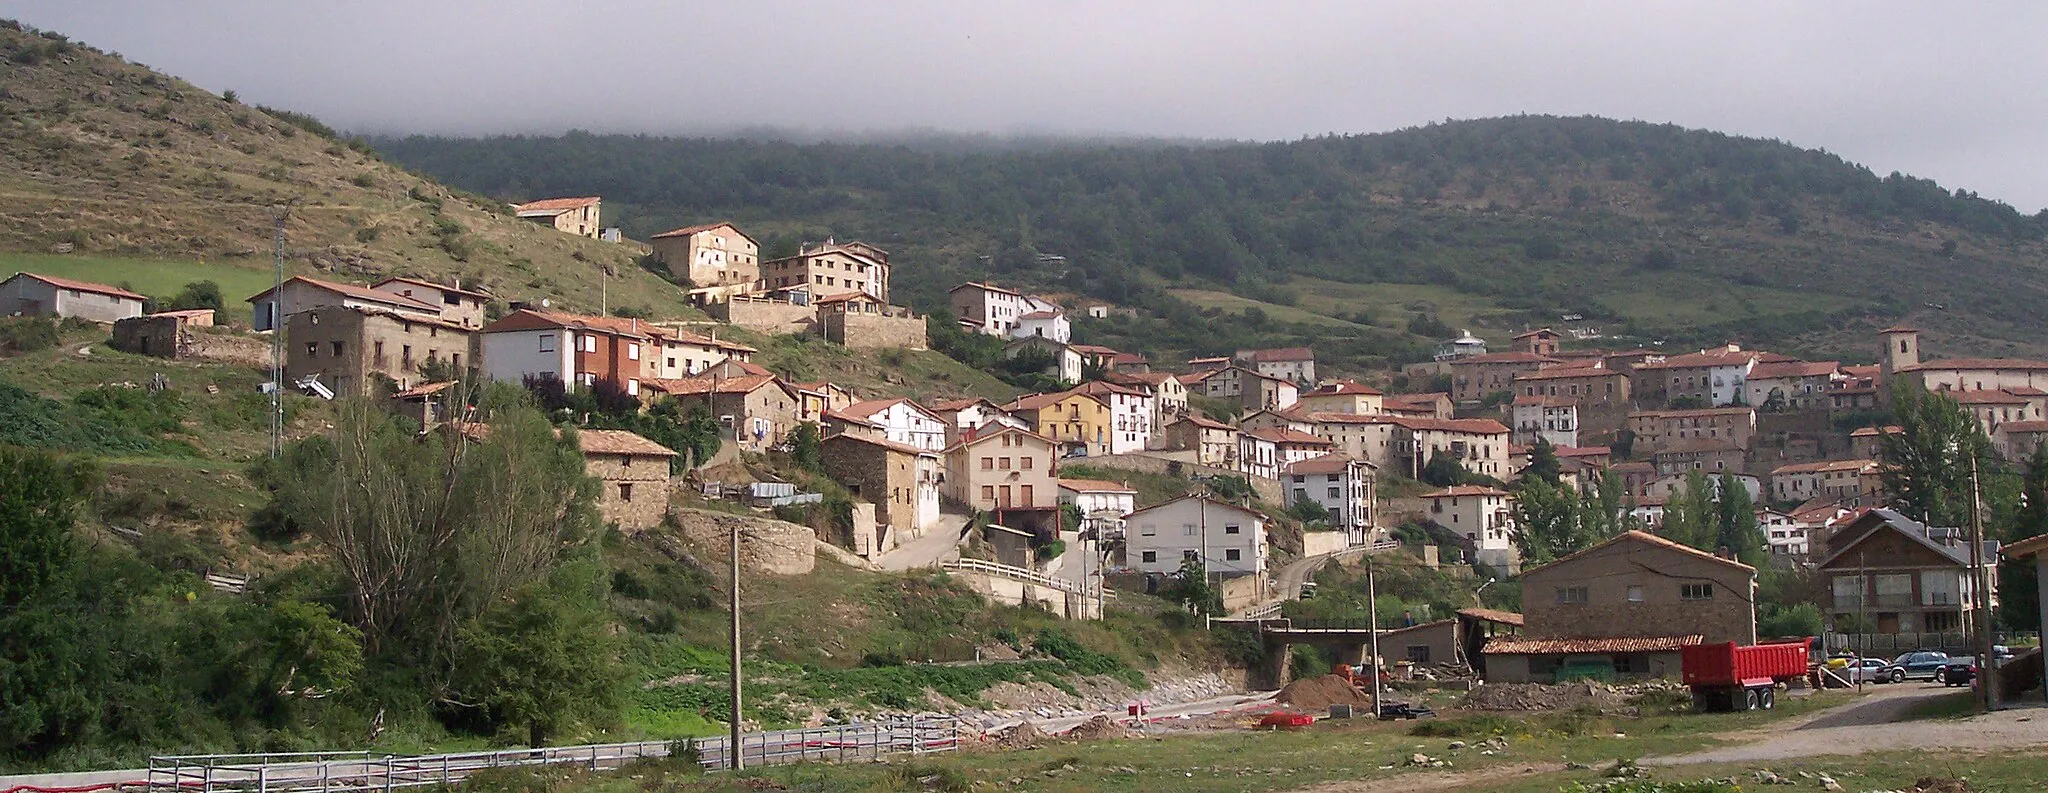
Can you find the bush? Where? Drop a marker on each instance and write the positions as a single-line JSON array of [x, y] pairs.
[[27, 334]]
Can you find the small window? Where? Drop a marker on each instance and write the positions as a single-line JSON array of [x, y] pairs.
[[337, 348], [988, 492], [589, 343], [1189, 556], [1231, 554], [1418, 653], [547, 342], [988, 463], [625, 491], [1695, 591], [1151, 556], [632, 352], [1635, 593], [1230, 528], [1572, 594]]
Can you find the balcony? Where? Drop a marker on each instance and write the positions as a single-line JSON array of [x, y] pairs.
[[1852, 602]]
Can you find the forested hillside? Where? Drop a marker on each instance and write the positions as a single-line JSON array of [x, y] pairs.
[[1651, 230]]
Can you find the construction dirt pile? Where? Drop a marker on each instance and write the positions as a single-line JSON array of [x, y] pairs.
[[1319, 693], [1098, 728], [1537, 696], [1022, 736]]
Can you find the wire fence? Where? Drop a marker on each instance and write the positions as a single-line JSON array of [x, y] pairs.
[[331, 772]]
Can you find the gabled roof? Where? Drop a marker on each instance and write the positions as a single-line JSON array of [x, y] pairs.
[[555, 205], [2030, 546], [1819, 467], [834, 415], [2008, 364], [1099, 387], [1567, 452], [1711, 358], [530, 319], [1095, 349], [1880, 519], [1989, 396], [1504, 357], [1693, 413], [689, 230], [844, 297], [431, 285], [1040, 315], [1037, 401], [1212, 502], [2012, 427], [873, 406], [1777, 369], [983, 434], [714, 385], [1095, 486], [1544, 402], [1646, 539], [424, 390], [1473, 426], [1900, 329], [1889, 429], [1203, 422], [1342, 388], [1492, 615], [351, 290], [1569, 372], [1457, 491], [983, 286], [1519, 645], [1537, 332], [1282, 354], [1284, 435], [619, 442], [957, 405], [80, 286], [902, 448]]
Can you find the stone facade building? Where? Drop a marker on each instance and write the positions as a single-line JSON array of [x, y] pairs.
[[635, 474], [830, 269], [349, 349], [901, 481], [718, 259], [578, 216]]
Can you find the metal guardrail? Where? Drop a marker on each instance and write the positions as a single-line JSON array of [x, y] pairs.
[[327, 772], [1016, 573]]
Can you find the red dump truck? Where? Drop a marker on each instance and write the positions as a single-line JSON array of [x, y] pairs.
[[1730, 677]]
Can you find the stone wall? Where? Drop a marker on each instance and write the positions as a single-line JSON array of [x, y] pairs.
[[764, 315], [1160, 463], [766, 545], [166, 336], [874, 330], [633, 496], [229, 348], [1317, 543]]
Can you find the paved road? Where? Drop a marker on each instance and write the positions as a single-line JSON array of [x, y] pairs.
[[1287, 582], [942, 541]]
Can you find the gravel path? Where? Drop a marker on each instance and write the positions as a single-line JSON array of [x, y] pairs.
[[1854, 729]]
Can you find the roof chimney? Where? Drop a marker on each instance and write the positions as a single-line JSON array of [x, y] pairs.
[[455, 282]]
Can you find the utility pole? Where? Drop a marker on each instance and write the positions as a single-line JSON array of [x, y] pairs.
[[282, 212], [733, 592], [1862, 614], [1372, 607], [1987, 679]]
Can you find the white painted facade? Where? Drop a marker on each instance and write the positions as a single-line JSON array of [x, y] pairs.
[[1343, 487], [1484, 516], [510, 356], [905, 423], [1227, 539], [1099, 498], [1548, 418]]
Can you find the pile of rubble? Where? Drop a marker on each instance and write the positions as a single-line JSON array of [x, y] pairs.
[[1538, 696], [1319, 693], [1099, 728]]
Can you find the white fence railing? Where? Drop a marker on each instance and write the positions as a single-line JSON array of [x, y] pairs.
[[1017, 574], [331, 772]]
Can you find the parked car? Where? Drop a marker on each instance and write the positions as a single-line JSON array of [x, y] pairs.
[[1865, 670], [1957, 672], [1924, 665]]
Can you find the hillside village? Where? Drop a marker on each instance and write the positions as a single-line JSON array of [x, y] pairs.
[[1272, 440]]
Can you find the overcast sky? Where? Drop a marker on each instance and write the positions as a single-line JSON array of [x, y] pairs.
[[1946, 91]]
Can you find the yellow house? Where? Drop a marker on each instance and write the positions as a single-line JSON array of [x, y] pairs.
[[1068, 418]]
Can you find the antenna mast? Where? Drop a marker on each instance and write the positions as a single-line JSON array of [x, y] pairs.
[[281, 213]]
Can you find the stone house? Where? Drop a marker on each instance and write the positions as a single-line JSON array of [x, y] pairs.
[[988, 309], [1342, 396], [635, 473], [164, 334], [1655, 429], [1360, 436], [1624, 608], [901, 481], [349, 349], [1586, 386], [1213, 442], [2017, 440], [1542, 341], [903, 421], [1228, 539], [1480, 445], [273, 306], [719, 259], [32, 295], [1293, 364], [1476, 377], [1994, 407], [1710, 456], [1277, 419], [1792, 385], [465, 307], [1716, 377], [1427, 405], [578, 216], [755, 411], [1291, 446], [831, 268], [1838, 480], [859, 320], [426, 403], [1865, 443], [1903, 576]]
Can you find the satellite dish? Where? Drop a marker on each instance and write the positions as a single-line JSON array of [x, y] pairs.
[[543, 302]]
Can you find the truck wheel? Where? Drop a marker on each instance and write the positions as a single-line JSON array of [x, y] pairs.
[[1701, 703], [1750, 701], [1768, 698]]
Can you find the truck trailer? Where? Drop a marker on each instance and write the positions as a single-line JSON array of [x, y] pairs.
[[1727, 676]]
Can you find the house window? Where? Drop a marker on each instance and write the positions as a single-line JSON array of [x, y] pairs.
[[1151, 556], [1231, 554], [1571, 594], [625, 491], [1695, 591], [1635, 593], [405, 355], [1024, 463], [547, 342], [632, 352], [1147, 530], [1230, 528], [1189, 556], [988, 463], [378, 350], [988, 492], [1189, 530]]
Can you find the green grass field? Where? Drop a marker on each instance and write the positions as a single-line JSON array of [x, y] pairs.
[[154, 277], [1207, 298]]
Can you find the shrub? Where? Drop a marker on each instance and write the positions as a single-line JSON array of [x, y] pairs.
[[27, 334], [363, 180]]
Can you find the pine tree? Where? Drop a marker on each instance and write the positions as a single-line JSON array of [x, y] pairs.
[[1739, 532], [1543, 463], [1921, 467]]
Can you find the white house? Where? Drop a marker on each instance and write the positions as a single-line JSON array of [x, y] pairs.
[[903, 421], [29, 294], [1343, 487], [987, 309], [1785, 535], [1258, 456], [966, 415], [1103, 504], [1293, 364], [1226, 538], [1555, 419], [1484, 517], [1044, 319], [1131, 414]]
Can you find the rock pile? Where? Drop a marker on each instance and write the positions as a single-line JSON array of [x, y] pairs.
[[1537, 696], [1319, 693], [1098, 728]]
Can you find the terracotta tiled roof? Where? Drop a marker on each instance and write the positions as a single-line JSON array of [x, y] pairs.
[[1422, 400], [351, 290], [1205, 423], [619, 442], [689, 230], [1987, 396], [1824, 465], [530, 319], [1544, 401], [1039, 315], [1473, 426], [1466, 490], [1647, 539], [1283, 354], [710, 385], [1212, 502], [1283, 435], [886, 444], [1037, 401], [844, 297], [956, 405], [189, 313], [1095, 349], [1099, 387], [1633, 466], [871, 407], [1768, 371], [1327, 417], [1568, 373], [1492, 615], [980, 285], [834, 415], [1978, 363], [424, 389], [1505, 357], [81, 286], [2011, 427], [1522, 645], [1326, 464], [1689, 414], [556, 204], [1583, 451], [1095, 486], [1706, 358], [1863, 432]]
